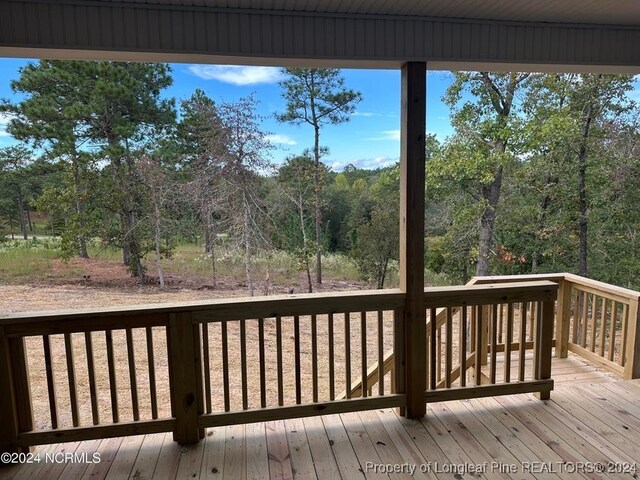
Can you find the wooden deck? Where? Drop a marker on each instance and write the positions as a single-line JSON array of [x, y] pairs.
[[591, 417]]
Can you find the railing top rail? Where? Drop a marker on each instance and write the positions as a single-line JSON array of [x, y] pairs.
[[542, 290], [232, 308], [603, 287], [531, 277]]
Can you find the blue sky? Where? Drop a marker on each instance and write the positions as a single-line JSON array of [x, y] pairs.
[[370, 139]]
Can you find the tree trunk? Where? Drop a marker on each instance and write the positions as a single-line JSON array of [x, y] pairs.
[[542, 214], [248, 254], [316, 153], [126, 250], [582, 192], [157, 218], [135, 265], [206, 215], [305, 250], [29, 221], [491, 195], [82, 241], [23, 217]]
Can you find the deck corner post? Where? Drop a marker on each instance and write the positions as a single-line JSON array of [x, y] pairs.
[[184, 359], [632, 355], [543, 345], [13, 418], [412, 212], [563, 318]]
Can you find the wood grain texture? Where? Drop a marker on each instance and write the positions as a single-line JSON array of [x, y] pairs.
[[412, 212]]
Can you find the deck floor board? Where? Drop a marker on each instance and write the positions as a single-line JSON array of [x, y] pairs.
[[591, 417]]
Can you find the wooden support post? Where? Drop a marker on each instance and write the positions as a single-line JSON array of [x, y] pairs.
[[21, 385], [412, 211], [632, 359], [543, 345], [13, 389], [184, 367], [563, 318]]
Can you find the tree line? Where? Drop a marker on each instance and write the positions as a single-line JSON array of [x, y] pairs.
[[540, 174], [107, 156]]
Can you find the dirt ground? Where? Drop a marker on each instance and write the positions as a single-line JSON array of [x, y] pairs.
[[85, 284], [93, 283]]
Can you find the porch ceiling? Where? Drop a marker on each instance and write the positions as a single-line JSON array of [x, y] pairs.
[[609, 12], [534, 35]]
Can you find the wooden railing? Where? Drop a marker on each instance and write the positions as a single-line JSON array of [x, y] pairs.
[[72, 376], [479, 325], [595, 320]]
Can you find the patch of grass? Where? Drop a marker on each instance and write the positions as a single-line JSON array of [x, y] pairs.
[[28, 261], [189, 259], [23, 261]]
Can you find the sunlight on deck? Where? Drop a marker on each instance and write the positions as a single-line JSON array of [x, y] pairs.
[[591, 417]]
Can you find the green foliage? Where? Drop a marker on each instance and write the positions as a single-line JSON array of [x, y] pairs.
[[317, 96], [375, 233]]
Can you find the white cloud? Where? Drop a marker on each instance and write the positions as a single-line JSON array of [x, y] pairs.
[[236, 74], [281, 139], [387, 135], [5, 118], [365, 114], [366, 163]]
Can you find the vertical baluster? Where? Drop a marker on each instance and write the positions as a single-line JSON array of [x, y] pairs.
[[397, 377], [243, 363], [534, 309], [500, 323], [623, 334], [603, 323], [207, 366], [296, 340], [472, 328], [478, 345], [575, 306], [71, 372], [594, 314], [332, 376], [152, 375], [434, 352], [51, 386], [363, 352], [314, 356], [522, 341], [494, 341], [439, 354], [113, 387], [448, 349], [536, 347], [225, 366], [93, 392], [612, 328], [132, 375], [380, 353], [507, 344], [279, 360], [463, 347], [583, 332], [347, 353], [263, 372]]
